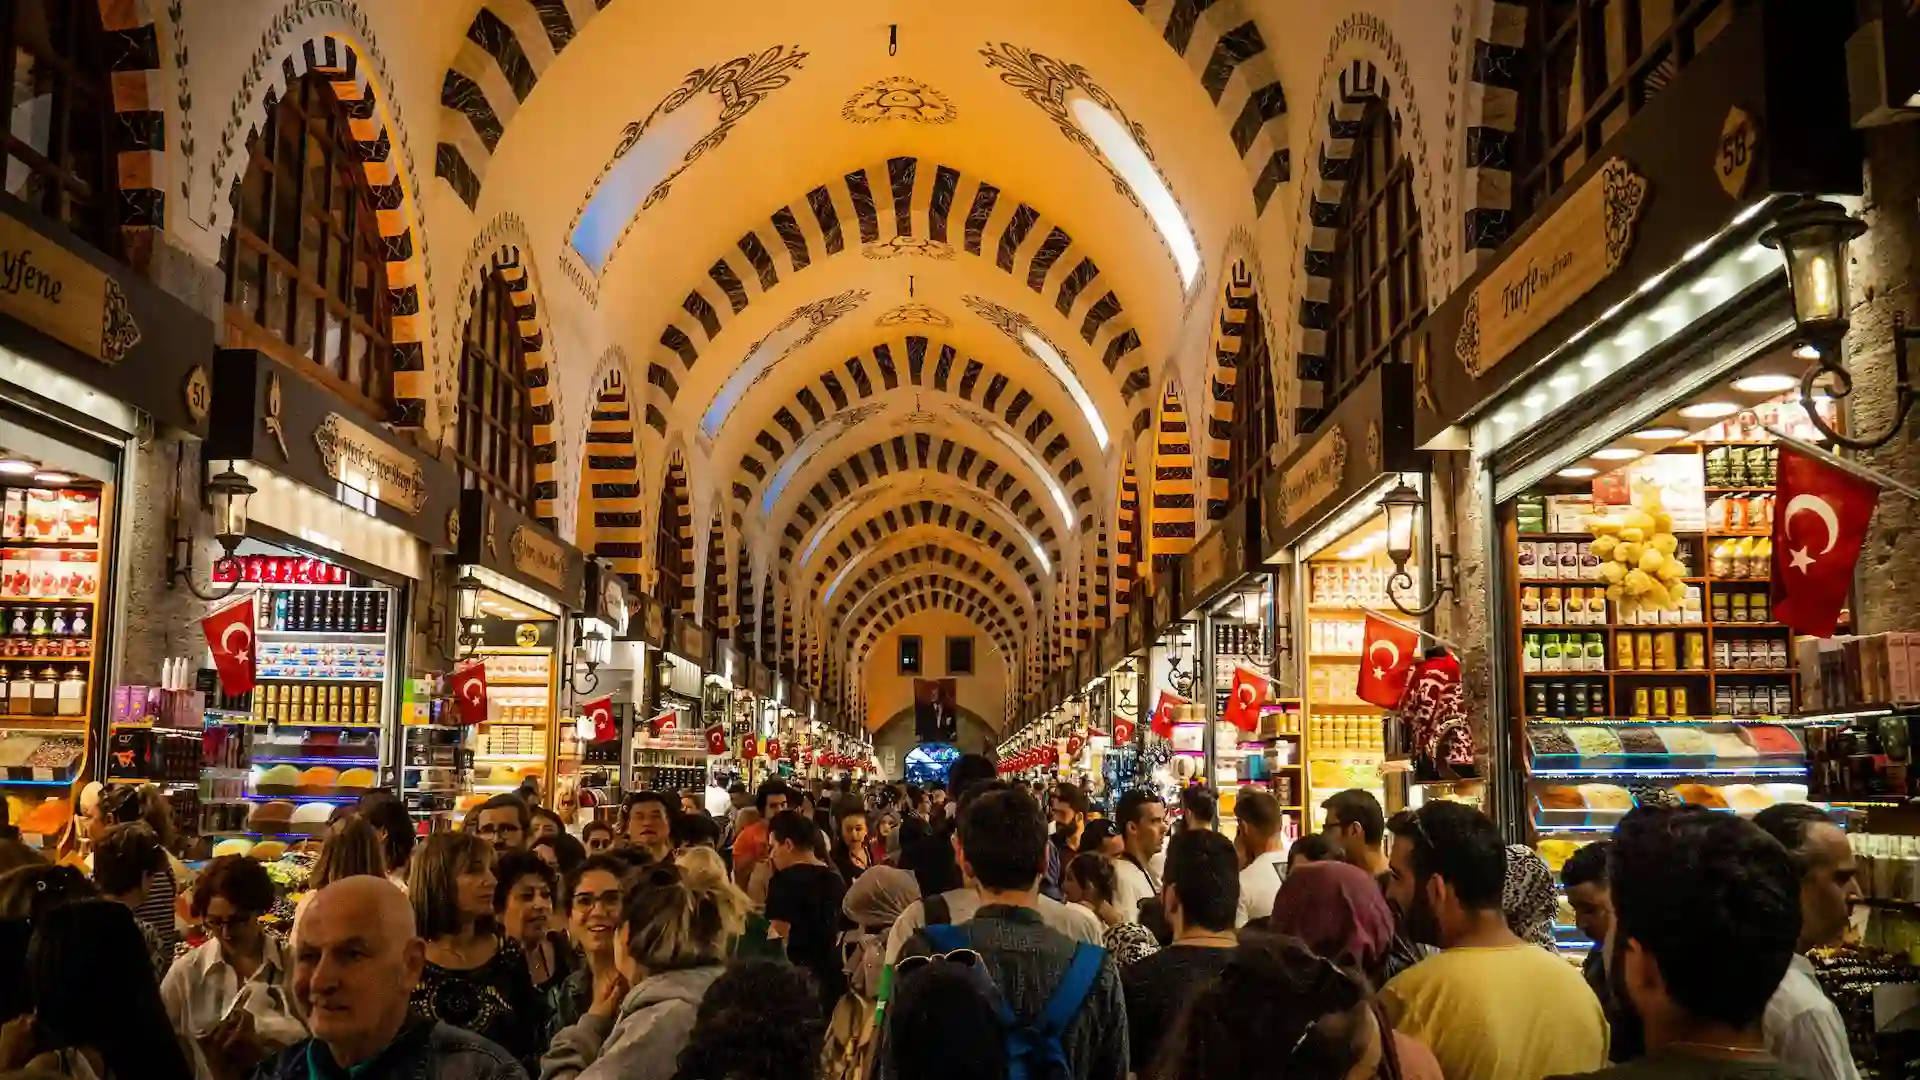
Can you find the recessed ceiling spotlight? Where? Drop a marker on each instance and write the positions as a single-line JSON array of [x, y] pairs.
[[1579, 472], [1617, 453], [1534, 400], [1765, 384], [1806, 352], [1655, 434], [16, 467], [52, 478], [1505, 418], [1709, 410]]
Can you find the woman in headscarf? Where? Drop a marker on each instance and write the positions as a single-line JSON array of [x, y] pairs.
[[1527, 897], [1337, 910], [873, 902]]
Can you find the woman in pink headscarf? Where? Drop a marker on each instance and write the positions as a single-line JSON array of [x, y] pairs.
[[1337, 910]]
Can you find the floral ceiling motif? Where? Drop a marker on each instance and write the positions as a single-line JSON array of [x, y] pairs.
[[913, 315], [908, 245], [898, 97], [1047, 83]]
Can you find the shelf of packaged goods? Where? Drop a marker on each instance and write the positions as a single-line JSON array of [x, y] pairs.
[[84, 543], [509, 757], [290, 586], [1586, 583], [322, 678], [325, 635], [69, 601], [1672, 773], [1749, 489], [342, 794], [367, 762], [1329, 706], [9, 659], [530, 683], [1712, 580], [358, 725], [181, 784], [1673, 721], [1713, 534], [1555, 536]]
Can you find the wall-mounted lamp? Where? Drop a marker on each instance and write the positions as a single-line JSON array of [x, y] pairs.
[[1812, 236], [591, 649], [467, 592], [1403, 505], [227, 494]]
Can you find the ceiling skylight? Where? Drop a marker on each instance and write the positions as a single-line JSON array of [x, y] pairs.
[[1042, 350], [623, 189], [1117, 144]]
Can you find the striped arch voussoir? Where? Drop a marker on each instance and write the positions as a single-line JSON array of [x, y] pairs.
[[1360, 85], [1492, 103], [1229, 342], [612, 491], [139, 139], [1224, 49], [1172, 519], [893, 521], [932, 556], [510, 263], [904, 205], [409, 281]]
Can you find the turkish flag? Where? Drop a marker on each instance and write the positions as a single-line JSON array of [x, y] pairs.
[[1818, 530], [1074, 742], [773, 749], [1122, 730], [1387, 653], [716, 740], [666, 723], [230, 635], [1162, 723], [749, 748], [469, 686], [599, 712], [1249, 693]]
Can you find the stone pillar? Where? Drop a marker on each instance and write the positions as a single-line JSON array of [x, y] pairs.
[[1883, 268]]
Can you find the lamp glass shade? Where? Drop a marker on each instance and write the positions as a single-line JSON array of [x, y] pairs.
[[227, 493], [469, 589], [1402, 505], [1817, 274]]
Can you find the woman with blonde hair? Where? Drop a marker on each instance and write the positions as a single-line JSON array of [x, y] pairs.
[[473, 979], [676, 927]]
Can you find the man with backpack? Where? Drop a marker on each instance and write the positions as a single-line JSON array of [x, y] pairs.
[[1057, 1003]]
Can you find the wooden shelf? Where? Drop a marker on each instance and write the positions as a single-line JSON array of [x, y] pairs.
[[1761, 488], [41, 542]]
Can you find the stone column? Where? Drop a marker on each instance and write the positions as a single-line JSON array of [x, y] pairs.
[[1883, 268]]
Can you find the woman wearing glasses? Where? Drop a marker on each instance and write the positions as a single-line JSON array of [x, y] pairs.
[[674, 932], [473, 979], [593, 901], [239, 959]]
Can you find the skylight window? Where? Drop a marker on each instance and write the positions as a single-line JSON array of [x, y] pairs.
[[1136, 168], [634, 174], [1043, 351]]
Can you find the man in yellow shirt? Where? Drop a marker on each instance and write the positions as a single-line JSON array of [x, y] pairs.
[[1491, 1006]]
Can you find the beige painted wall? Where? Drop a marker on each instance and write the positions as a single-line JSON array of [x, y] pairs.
[[983, 694]]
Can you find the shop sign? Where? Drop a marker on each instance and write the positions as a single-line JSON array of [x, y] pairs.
[[1217, 558], [1574, 250], [689, 641], [60, 294], [370, 465], [1315, 478], [536, 556], [498, 536]]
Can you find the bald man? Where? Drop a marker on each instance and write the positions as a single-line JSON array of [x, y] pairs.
[[356, 959]]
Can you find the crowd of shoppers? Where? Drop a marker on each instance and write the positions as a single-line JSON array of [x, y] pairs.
[[1041, 939]]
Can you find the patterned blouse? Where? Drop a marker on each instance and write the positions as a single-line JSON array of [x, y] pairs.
[[496, 1001], [1129, 941]]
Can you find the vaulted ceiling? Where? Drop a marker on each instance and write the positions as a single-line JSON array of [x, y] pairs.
[[899, 282]]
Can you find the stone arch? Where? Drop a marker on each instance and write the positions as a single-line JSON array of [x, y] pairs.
[[894, 521], [349, 63], [1221, 42], [509, 262], [1126, 547], [1364, 63], [139, 138], [611, 523], [1173, 494], [935, 558], [1490, 112], [713, 600], [674, 565], [902, 206], [1228, 343], [508, 46]]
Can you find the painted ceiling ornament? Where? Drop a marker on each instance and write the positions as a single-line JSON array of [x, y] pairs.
[[908, 245], [817, 316], [1011, 323], [1048, 83], [899, 97], [913, 315]]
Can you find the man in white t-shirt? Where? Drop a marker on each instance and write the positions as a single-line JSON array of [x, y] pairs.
[[1803, 1028], [1263, 860], [1142, 819]]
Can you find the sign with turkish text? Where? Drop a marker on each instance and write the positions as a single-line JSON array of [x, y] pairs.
[[1572, 251], [537, 556], [370, 465], [1314, 478], [59, 294]]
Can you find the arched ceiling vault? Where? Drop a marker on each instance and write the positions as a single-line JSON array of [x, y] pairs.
[[900, 312]]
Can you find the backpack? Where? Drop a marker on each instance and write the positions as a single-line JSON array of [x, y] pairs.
[[852, 1044], [1034, 1051]]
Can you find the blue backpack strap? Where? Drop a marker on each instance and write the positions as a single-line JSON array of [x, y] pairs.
[[1065, 1004], [945, 937]]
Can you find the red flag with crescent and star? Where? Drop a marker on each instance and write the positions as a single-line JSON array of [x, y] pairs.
[[469, 685], [1250, 690], [749, 748], [230, 635], [716, 740], [773, 749], [599, 712], [666, 723], [1818, 529], [1387, 653], [1162, 722], [1122, 730]]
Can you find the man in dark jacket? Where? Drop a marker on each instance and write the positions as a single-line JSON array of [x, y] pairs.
[[931, 860], [356, 959]]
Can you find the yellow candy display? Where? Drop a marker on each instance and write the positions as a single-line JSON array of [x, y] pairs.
[[1636, 551]]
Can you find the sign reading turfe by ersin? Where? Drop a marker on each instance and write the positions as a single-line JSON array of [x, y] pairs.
[[1575, 249]]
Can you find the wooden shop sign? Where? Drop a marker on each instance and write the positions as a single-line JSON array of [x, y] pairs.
[[367, 463], [538, 557], [1576, 249], [1315, 478], [63, 296]]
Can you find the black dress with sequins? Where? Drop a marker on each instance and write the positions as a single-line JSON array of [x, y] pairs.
[[496, 1001]]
